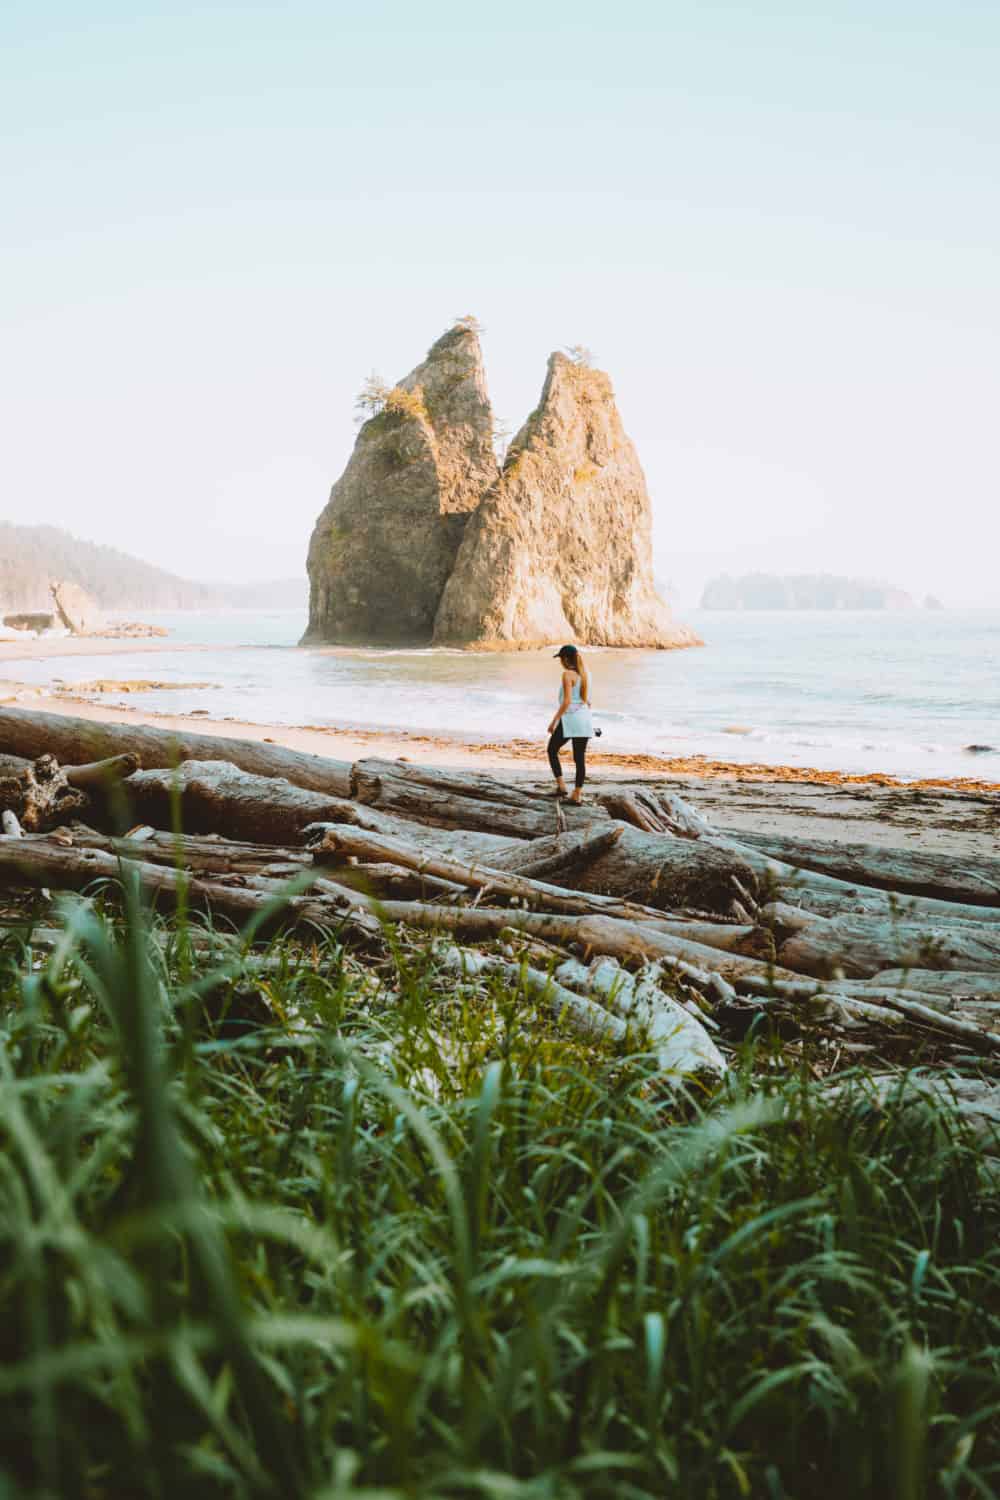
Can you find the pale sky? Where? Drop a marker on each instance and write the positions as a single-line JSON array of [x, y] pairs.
[[777, 228]]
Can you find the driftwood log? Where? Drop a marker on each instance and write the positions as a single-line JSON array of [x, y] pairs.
[[214, 796], [44, 863], [862, 946], [861, 941], [42, 794], [828, 895], [561, 853], [904, 871], [74, 741], [211, 855], [338, 842], [654, 869], [591, 1021], [446, 800], [682, 1042]]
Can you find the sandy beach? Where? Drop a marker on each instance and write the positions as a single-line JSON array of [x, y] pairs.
[[960, 816]]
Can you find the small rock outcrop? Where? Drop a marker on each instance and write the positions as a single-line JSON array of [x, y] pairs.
[[561, 547], [75, 609], [29, 620], [384, 546]]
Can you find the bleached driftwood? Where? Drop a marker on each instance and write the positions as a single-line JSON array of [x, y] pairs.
[[827, 895], [975, 1100], [45, 862], [216, 797], [585, 1017], [682, 1048], [906, 871], [201, 854], [683, 1045], [590, 934], [955, 983], [653, 869], [561, 853], [340, 841], [75, 741], [860, 946]]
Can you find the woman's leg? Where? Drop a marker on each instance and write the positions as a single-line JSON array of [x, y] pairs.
[[580, 760], [556, 741]]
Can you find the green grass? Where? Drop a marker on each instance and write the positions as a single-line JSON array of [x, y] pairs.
[[331, 1229]]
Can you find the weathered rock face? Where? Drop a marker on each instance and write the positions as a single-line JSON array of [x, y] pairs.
[[75, 609], [383, 548], [560, 549]]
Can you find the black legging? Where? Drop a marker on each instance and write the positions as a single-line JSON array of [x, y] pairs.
[[556, 742]]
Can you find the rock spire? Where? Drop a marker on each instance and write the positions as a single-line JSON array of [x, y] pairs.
[[386, 542], [561, 547], [424, 539]]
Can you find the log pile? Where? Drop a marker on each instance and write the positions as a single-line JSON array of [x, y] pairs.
[[630, 919]]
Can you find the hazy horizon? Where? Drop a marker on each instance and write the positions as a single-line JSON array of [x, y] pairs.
[[776, 231]]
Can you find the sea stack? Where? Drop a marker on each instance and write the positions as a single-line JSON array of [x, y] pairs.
[[560, 549], [383, 548], [425, 539]]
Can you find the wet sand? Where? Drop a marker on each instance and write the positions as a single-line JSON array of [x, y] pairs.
[[40, 648]]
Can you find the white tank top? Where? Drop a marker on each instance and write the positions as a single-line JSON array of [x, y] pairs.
[[577, 722]]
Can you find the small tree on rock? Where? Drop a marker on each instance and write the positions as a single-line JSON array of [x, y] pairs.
[[371, 399], [376, 397]]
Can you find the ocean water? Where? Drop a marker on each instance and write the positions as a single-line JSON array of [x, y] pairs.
[[905, 693]]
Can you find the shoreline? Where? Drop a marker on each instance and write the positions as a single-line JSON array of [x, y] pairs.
[[955, 817], [515, 755], [436, 747], [40, 648]]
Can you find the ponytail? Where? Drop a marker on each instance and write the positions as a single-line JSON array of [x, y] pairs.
[[574, 657], [584, 679]]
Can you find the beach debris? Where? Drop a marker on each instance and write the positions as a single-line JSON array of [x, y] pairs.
[[43, 794], [656, 869], [669, 931], [559, 853], [40, 796], [905, 871], [72, 740], [861, 946], [44, 862], [681, 1039]]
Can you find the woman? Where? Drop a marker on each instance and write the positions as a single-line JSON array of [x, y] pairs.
[[571, 721]]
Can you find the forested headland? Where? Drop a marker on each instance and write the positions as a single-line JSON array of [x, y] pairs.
[[32, 557]]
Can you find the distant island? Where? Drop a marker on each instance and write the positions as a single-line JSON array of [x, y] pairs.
[[805, 591], [32, 556]]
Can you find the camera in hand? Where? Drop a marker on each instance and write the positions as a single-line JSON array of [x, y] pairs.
[[598, 732]]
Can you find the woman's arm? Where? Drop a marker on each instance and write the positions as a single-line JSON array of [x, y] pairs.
[[564, 702]]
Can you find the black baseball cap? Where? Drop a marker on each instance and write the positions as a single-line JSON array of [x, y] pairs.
[[563, 651]]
